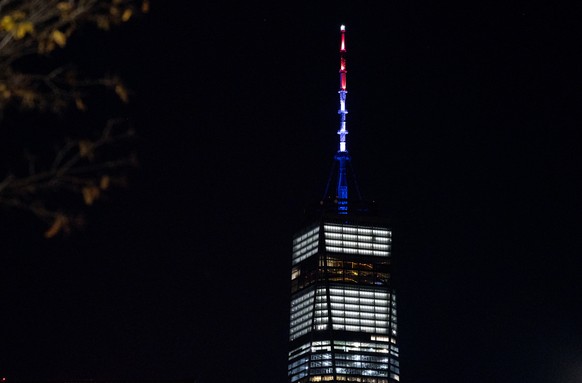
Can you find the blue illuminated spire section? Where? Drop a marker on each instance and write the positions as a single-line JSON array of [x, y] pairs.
[[342, 155]]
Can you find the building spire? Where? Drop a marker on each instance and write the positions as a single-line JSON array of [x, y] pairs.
[[343, 92], [342, 155]]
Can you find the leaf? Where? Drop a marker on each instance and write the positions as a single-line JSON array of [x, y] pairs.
[[46, 46], [22, 29], [4, 91], [7, 23], [80, 104], [104, 182], [86, 149], [121, 92], [28, 98], [60, 223], [103, 22], [90, 194], [64, 6], [18, 15], [126, 14], [59, 38]]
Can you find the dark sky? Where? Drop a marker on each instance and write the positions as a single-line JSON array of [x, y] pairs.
[[464, 124]]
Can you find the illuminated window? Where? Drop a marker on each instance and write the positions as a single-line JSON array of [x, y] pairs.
[[301, 314], [360, 240], [305, 245], [295, 273]]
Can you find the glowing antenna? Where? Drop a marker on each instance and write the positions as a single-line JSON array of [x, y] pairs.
[[343, 91], [342, 154]]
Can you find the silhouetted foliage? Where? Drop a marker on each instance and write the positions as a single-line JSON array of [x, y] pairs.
[[55, 176]]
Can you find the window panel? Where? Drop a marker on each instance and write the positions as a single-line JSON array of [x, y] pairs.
[[351, 239], [305, 246]]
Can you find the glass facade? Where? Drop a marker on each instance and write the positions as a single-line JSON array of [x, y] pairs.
[[343, 313], [362, 240], [305, 245]]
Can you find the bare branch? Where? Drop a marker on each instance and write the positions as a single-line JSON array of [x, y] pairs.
[[33, 27], [84, 167], [74, 171]]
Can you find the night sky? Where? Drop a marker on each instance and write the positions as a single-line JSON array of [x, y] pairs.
[[464, 126]]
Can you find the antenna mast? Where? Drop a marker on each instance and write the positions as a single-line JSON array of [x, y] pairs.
[[343, 92], [342, 155]]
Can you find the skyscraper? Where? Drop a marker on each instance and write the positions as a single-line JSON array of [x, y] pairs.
[[343, 305]]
